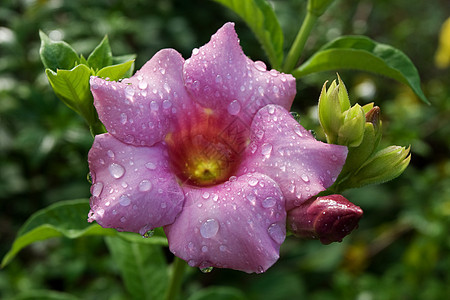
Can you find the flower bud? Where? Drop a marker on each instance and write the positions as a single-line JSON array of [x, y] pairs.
[[383, 166], [351, 132], [327, 218]]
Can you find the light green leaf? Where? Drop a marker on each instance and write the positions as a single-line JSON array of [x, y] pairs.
[[260, 17], [116, 72], [72, 87], [218, 293], [143, 267], [65, 218], [362, 53], [57, 55], [101, 56]]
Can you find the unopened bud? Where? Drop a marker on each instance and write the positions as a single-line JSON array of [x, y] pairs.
[[327, 218], [383, 166], [351, 132]]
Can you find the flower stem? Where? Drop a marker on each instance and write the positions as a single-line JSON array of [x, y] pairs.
[[176, 276], [300, 41]]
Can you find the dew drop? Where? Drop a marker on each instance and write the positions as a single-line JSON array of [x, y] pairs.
[[123, 118], [145, 186], [123, 219], [162, 71], [260, 66], [129, 91], [206, 270], [116, 170], [97, 189], [260, 270], [110, 153], [266, 149], [166, 104], [195, 51], [205, 249], [305, 178], [223, 248], [298, 131], [271, 109], [154, 105], [150, 166], [124, 200], [251, 198], [142, 85], [252, 181], [234, 107], [276, 233], [205, 195], [218, 79], [269, 202], [149, 234], [209, 228]]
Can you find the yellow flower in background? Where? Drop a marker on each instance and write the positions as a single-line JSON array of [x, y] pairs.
[[442, 56]]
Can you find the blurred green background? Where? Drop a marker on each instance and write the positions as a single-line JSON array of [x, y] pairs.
[[401, 248]]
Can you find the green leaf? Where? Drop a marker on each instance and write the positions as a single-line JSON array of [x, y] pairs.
[[260, 17], [116, 72], [101, 56], [143, 267], [72, 87], [57, 55], [362, 53], [65, 218], [218, 293]]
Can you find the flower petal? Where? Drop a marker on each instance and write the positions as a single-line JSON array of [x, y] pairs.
[[239, 224], [139, 110], [133, 187], [220, 76], [285, 151]]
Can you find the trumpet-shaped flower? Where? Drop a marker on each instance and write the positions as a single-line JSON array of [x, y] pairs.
[[206, 148]]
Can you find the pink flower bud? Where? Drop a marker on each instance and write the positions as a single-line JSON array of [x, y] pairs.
[[328, 218]]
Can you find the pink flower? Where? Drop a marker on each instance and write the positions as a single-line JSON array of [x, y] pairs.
[[206, 148]]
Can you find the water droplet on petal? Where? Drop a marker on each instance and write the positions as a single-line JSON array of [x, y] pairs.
[[305, 178], [145, 186], [269, 202], [252, 181], [195, 51], [97, 189], [154, 105], [266, 149], [129, 91], [260, 270], [123, 118], [223, 248], [166, 104], [205, 249], [298, 131], [149, 234], [276, 233], [209, 228], [124, 200], [260, 66], [116, 170], [271, 109], [234, 107], [143, 85], [110, 153], [205, 195], [206, 270], [150, 166]]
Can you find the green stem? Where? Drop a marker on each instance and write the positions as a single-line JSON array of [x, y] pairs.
[[299, 43], [178, 267]]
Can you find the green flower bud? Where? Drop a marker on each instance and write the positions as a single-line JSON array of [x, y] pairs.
[[351, 133], [330, 113], [383, 166]]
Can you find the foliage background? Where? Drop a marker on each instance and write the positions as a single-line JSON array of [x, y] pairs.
[[401, 249]]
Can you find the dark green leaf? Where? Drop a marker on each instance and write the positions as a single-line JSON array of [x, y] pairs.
[[143, 267], [116, 72], [65, 218], [218, 293], [57, 55], [72, 87], [101, 56], [361, 53], [260, 17]]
